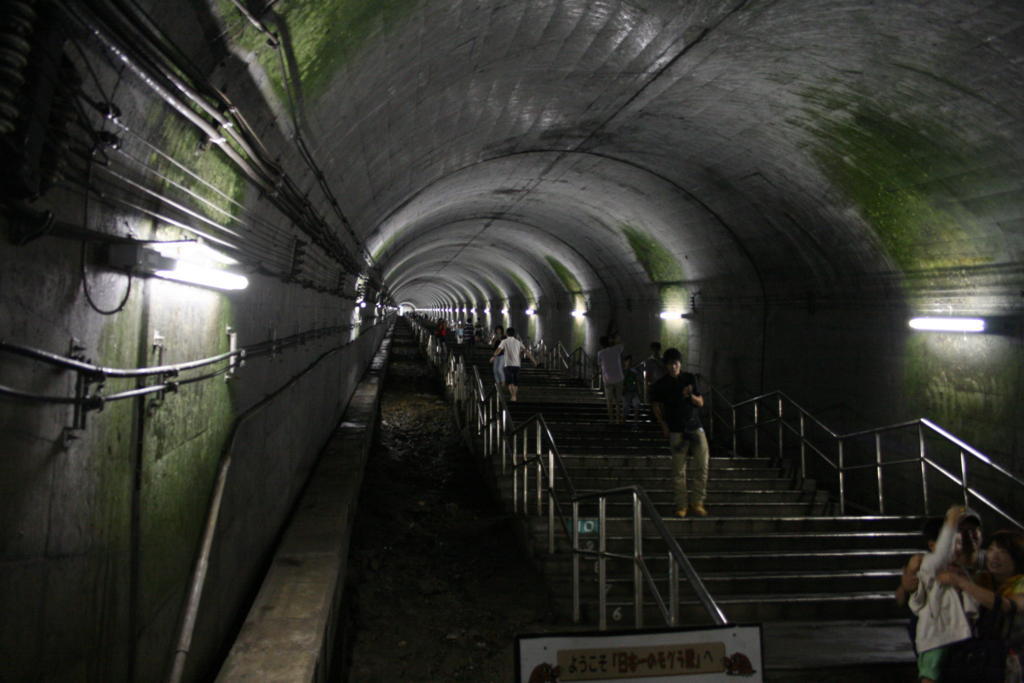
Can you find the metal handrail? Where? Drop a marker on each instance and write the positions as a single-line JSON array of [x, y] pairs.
[[837, 464], [489, 413], [677, 559]]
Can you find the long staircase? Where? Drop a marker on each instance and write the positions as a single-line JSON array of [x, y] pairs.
[[771, 551]]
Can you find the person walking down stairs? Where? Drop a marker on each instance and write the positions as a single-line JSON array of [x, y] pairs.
[[675, 402]]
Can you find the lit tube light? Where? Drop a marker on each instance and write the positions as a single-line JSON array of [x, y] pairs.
[[504, 311], [204, 277], [578, 314], [531, 311], [671, 315], [948, 324], [185, 261]]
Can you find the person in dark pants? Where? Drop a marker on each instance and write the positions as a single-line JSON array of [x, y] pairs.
[[675, 402]]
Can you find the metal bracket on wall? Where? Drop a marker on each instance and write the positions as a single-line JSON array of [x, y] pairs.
[[157, 349], [235, 362], [83, 401]]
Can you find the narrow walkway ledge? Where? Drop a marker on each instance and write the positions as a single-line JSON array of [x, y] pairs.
[[289, 632]]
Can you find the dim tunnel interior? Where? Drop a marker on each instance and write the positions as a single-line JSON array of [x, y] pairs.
[[215, 210]]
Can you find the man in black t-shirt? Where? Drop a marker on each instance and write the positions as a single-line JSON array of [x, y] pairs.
[[676, 402]]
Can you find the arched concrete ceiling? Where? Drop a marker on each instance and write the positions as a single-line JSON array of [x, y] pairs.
[[765, 144], [499, 267], [579, 211]]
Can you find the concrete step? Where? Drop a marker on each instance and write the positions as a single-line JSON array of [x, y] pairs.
[[719, 563], [750, 583], [722, 526], [906, 542], [751, 608], [652, 480]]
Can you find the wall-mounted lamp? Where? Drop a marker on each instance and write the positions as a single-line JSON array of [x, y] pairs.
[[671, 315], [948, 324], [189, 262], [531, 311], [504, 311], [578, 314]]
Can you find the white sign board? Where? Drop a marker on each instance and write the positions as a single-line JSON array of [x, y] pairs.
[[701, 655]]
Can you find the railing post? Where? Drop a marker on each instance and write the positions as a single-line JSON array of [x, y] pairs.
[[525, 476], [551, 502], [540, 486], [757, 429], [515, 448], [734, 453], [878, 471], [602, 568], [803, 448], [515, 485], [842, 480], [487, 429], [781, 454], [502, 431], [673, 590], [963, 478], [575, 562], [538, 447], [638, 557], [924, 467]]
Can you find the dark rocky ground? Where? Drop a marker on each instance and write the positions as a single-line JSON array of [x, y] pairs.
[[438, 583]]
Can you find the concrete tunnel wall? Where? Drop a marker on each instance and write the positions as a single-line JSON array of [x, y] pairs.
[[95, 566], [800, 177]]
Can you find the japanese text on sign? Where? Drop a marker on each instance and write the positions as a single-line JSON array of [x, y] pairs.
[[632, 662]]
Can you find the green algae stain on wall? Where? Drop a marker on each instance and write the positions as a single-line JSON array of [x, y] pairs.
[[183, 441], [322, 35], [658, 262], [201, 176], [572, 285], [965, 383], [664, 270], [525, 291], [890, 169], [110, 431]]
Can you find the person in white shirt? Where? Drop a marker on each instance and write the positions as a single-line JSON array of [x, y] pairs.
[[513, 350], [610, 360]]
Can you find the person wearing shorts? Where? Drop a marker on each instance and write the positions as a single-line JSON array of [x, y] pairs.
[[513, 350]]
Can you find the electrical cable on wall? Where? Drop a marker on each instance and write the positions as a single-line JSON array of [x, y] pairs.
[[162, 66], [94, 373], [82, 268]]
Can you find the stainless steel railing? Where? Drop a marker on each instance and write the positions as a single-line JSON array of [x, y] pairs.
[[542, 486], [798, 433], [642, 508]]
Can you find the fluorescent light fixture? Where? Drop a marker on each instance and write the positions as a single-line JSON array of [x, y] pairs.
[[948, 324], [670, 315], [487, 311], [196, 253], [578, 313], [531, 311], [205, 277], [186, 261], [504, 311]]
